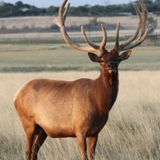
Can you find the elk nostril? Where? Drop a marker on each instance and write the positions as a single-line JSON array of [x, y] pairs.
[[112, 65], [109, 65]]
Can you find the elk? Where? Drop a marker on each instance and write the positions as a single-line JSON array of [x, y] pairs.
[[77, 108]]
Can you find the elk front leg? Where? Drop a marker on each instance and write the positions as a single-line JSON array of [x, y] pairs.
[[92, 141], [82, 146], [29, 143], [29, 128]]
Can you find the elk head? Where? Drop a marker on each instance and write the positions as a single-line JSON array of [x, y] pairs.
[[109, 60]]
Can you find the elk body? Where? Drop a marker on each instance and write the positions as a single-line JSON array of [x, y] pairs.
[[77, 108]]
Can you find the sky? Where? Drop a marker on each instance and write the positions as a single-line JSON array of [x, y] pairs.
[[47, 3]]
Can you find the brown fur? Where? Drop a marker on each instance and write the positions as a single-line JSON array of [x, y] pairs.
[[80, 108], [69, 109]]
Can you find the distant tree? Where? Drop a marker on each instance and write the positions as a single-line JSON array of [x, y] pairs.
[[81, 11], [157, 1], [148, 2], [6, 10], [87, 5], [19, 4], [1, 3], [128, 8], [34, 11], [52, 10], [97, 10], [20, 9]]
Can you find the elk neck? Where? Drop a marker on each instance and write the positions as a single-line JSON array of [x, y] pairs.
[[106, 90]]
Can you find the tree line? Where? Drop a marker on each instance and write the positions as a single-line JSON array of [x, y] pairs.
[[21, 9]]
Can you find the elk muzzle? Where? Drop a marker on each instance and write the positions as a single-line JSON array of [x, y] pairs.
[[112, 68]]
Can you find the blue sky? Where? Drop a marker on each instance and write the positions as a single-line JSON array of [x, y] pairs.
[[47, 3]]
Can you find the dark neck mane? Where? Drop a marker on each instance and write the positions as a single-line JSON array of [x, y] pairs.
[[105, 91]]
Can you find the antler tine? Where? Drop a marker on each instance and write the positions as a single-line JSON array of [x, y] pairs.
[[101, 49], [123, 45], [65, 12], [74, 45], [117, 36], [104, 40], [136, 43], [92, 48], [61, 17], [88, 40], [60, 13], [142, 29], [144, 17]]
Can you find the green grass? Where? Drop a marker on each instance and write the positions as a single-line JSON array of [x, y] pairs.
[[42, 57], [54, 40]]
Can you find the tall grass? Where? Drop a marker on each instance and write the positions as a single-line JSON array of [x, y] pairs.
[[132, 131]]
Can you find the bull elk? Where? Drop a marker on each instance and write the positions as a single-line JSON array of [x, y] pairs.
[[77, 108]]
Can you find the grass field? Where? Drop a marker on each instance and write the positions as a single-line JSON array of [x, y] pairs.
[[33, 58], [47, 21], [132, 132], [133, 129]]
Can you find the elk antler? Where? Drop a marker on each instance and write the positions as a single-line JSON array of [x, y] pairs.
[[140, 33], [92, 47]]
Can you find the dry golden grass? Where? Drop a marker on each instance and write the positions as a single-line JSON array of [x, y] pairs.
[[47, 21], [132, 132]]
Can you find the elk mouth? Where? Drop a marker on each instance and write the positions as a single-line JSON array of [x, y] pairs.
[[112, 71]]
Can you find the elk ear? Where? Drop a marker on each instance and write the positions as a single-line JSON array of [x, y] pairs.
[[125, 55], [93, 57]]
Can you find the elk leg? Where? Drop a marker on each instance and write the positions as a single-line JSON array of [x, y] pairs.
[[29, 130], [40, 136], [82, 146], [92, 141]]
